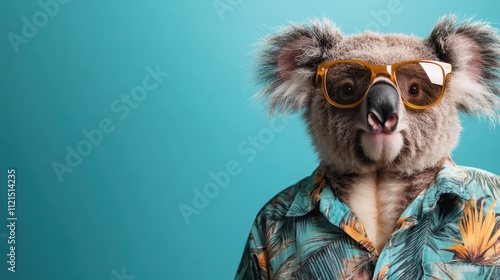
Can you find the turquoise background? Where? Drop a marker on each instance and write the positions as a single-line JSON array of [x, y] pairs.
[[116, 214]]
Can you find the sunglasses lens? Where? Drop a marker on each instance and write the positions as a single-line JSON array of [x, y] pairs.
[[346, 83], [420, 83]]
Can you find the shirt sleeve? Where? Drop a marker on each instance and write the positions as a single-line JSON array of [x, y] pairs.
[[253, 264]]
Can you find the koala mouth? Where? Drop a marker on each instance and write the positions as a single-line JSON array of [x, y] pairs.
[[381, 146]]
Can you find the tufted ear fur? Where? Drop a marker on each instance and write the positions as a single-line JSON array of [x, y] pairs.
[[473, 49], [287, 63]]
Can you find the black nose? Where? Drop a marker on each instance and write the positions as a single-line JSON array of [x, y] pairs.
[[382, 108]]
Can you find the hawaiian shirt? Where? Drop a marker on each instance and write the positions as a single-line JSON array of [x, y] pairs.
[[450, 231]]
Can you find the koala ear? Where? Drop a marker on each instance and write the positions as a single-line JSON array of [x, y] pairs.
[[287, 63], [473, 50]]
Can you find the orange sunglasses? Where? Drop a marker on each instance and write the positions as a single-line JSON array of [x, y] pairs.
[[421, 83]]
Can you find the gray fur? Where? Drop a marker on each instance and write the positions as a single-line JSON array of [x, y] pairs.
[[479, 97], [309, 45]]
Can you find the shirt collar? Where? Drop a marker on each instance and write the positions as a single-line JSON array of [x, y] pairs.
[[449, 180], [308, 194]]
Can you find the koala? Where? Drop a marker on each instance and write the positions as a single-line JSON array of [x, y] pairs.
[[382, 111]]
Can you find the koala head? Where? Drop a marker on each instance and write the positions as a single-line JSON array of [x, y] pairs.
[[361, 113]]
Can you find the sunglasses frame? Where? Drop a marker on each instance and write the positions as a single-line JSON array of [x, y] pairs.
[[376, 70]]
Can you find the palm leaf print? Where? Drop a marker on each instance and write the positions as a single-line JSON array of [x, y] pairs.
[[335, 259], [444, 223], [383, 273], [282, 235], [356, 230], [252, 266], [404, 223], [478, 235], [438, 225], [280, 230], [325, 252], [488, 182], [409, 253], [460, 270], [319, 184]]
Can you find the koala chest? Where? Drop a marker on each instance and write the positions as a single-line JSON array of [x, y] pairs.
[[377, 203]]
